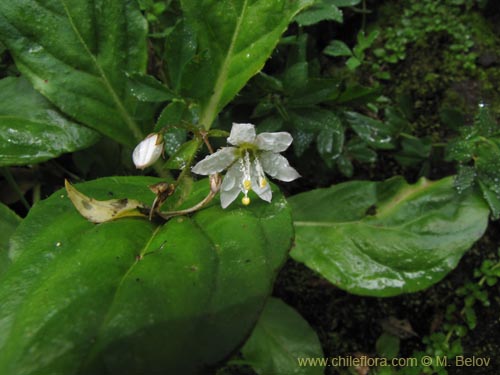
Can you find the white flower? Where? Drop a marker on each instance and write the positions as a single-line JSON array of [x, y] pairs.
[[148, 151], [247, 163]]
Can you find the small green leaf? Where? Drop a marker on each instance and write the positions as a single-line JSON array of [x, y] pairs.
[[8, 223], [182, 157], [386, 238], [345, 3], [280, 338], [374, 132], [352, 63], [32, 130], [321, 10], [387, 345], [345, 166], [132, 296], [360, 151], [337, 48], [147, 88]]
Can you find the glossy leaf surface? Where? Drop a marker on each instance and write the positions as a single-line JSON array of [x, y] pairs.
[[234, 38], [76, 53], [386, 238], [81, 298], [8, 223], [280, 337], [32, 130]]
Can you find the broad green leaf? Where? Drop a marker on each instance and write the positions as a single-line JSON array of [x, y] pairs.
[[8, 223], [76, 53], [235, 38], [132, 296], [279, 339], [147, 88], [32, 130], [321, 10], [386, 238]]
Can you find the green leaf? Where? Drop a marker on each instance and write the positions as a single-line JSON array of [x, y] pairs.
[[360, 151], [184, 155], [386, 238], [180, 50], [32, 130], [374, 132], [352, 63], [133, 296], [345, 3], [280, 337], [321, 10], [8, 223], [387, 345], [337, 48], [76, 53], [235, 38], [147, 88]]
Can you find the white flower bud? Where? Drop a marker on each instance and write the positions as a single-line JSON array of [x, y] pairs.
[[148, 151]]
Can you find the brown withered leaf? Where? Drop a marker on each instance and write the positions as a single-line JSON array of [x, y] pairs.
[[98, 211], [398, 327]]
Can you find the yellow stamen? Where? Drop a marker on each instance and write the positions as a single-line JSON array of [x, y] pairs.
[[247, 185], [263, 183], [245, 201]]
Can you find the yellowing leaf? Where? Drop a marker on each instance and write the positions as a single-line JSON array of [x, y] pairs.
[[101, 211]]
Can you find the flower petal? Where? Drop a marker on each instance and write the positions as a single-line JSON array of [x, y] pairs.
[[242, 133], [278, 167], [216, 162], [276, 142], [230, 188], [148, 151], [264, 193]]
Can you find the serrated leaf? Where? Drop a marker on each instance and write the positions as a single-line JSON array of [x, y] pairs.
[[133, 296], [387, 238], [76, 54], [321, 10], [337, 48], [280, 337], [101, 211], [8, 223], [235, 39], [147, 88], [32, 130]]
